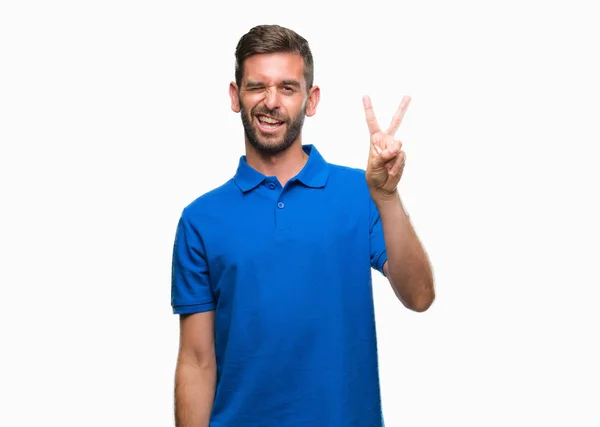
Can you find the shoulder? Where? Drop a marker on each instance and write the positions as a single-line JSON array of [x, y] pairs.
[[347, 171], [347, 177], [211, 201], [351, 184]]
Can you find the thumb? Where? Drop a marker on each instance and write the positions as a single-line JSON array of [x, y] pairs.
[[381, 157]]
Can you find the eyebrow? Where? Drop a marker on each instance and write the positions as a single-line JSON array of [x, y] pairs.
[[253, 84], [294, 83]]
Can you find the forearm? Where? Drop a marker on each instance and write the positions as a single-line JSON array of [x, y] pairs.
[[408, 267], [194, 393]]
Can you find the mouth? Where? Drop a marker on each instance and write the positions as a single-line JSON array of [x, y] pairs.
[[268, 124]]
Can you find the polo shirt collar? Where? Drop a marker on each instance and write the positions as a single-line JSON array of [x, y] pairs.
[[314, 173]]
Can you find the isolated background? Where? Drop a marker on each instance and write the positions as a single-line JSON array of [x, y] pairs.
[[114, 115]]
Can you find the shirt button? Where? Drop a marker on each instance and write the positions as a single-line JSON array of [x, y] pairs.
[[272, 186], [280, 205]]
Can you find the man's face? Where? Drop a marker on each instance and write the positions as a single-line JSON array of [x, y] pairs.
[[273, 100]]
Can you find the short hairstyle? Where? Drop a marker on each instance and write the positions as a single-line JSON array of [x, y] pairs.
[[273, 39]]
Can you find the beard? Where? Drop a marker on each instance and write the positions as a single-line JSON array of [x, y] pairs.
[[271, 144]]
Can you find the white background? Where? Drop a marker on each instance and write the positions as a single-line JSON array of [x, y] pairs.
[[114, 115]]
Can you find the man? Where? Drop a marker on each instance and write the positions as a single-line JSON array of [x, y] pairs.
[[272, 270]]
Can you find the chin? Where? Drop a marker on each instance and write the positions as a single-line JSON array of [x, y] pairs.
[[270, 144], [270, 147]]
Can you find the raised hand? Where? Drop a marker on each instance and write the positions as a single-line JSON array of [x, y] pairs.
[[386, 158]]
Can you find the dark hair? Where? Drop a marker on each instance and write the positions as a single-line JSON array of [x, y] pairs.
[[273, 39]]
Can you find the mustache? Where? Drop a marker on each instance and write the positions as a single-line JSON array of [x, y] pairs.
[[270, 113]]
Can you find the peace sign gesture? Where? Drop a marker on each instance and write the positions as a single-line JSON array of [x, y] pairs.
[[386, 159]]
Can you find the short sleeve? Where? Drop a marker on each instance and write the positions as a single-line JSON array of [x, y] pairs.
[[190, 281], [378, 251]]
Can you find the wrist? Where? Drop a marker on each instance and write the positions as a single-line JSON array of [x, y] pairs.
[[382, 197]]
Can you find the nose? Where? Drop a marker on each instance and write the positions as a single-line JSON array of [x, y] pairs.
[[271, 99]]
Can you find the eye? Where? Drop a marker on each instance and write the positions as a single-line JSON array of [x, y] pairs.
[[288, 89]]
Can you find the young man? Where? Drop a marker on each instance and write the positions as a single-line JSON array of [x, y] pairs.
[[272, 270]]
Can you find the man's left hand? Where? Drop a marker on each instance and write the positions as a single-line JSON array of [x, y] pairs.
[[386, 158]]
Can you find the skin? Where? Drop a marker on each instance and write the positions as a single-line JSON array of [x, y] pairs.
[[273, 84], [408, 268], [196, 370]]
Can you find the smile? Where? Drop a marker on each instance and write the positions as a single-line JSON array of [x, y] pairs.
[[268, 124]]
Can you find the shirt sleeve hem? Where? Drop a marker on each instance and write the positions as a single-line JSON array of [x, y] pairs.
[[379, 264], [194, 308]]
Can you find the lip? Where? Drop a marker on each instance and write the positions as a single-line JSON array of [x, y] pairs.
[[267, 130]]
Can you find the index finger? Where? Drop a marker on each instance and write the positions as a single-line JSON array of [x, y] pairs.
[[397, 119], [370, 115]]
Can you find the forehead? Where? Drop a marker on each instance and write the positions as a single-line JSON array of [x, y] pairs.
[[273, 67]]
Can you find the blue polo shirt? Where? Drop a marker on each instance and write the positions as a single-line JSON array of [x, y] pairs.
[[288, 273]]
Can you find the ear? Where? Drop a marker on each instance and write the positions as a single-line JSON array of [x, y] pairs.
[[233, 94], [313, 100]]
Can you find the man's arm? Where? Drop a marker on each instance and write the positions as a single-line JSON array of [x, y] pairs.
[[407, 267], [196, 371]]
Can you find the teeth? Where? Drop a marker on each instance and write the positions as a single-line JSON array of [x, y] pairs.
[[268, 120]]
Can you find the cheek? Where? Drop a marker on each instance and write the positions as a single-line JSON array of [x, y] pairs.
[[294, 107], [248, 103]]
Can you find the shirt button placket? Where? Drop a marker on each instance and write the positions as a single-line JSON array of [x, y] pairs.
[[282, 216]]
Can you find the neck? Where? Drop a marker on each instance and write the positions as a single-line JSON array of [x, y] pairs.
[[284, 165]]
